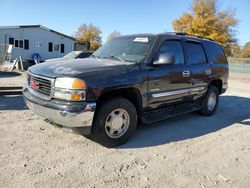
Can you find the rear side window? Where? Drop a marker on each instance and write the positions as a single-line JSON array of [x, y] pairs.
[[196, 54], [175, 49], [216, 53]]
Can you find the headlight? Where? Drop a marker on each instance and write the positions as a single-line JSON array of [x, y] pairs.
[[72, 89], [70, 83]]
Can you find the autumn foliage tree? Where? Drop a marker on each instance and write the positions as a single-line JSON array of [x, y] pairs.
[[205, 20], [245, 52], [89, 33], [235, 50], [114, 34]]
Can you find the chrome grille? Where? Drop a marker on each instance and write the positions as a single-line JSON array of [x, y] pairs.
[[39, 84]]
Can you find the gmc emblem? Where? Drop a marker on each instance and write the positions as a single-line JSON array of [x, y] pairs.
[[34, 84]]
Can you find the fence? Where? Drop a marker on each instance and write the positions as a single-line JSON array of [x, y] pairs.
[[239, 60], [239, 65]]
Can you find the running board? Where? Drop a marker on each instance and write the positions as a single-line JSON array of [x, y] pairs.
[[163, 114]]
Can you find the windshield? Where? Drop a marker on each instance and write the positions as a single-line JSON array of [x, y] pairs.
[[132, 48], [72, 55]]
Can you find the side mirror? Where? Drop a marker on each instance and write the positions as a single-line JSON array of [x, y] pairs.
[[164, 58]]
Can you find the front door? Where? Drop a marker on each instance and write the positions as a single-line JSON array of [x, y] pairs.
[[169, 83]]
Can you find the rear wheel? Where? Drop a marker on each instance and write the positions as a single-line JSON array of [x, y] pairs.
[[210, 102], [115, 122]]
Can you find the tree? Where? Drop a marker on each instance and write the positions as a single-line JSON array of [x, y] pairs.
[[205, 20], [114, 34], [235, 50], [89, 33], [245, 53]]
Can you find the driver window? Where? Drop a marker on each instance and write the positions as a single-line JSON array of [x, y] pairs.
[[173, 48]]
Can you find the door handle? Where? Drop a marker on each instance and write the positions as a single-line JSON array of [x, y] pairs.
[[186, 73], [208, 71]]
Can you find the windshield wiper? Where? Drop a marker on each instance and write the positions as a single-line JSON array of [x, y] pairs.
[[116, 57]]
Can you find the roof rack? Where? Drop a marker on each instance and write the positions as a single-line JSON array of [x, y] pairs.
[[186, 34], [177, 33], [181, 33], [202, 37]]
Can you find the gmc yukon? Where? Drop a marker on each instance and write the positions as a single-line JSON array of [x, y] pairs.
[[137, 78]]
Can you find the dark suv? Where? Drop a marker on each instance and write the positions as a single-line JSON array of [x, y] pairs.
[[134, 78]]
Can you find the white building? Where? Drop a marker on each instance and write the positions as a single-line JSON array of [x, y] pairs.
[[28, 40]]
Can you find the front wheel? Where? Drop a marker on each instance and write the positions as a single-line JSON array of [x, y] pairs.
[[210, 102], [115, 122]]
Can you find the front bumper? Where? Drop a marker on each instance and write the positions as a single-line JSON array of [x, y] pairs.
[[66, 114]]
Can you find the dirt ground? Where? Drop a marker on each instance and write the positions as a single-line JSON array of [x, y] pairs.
[[12, 78], [187, 151]]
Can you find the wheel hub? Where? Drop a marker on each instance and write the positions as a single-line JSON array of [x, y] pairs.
[[117, 123], [211, 101]]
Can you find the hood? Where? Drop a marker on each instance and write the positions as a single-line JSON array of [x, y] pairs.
[[54, 59], [72, 68]]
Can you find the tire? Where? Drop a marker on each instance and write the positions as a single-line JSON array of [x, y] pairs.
[[209, 107], [115, 122]]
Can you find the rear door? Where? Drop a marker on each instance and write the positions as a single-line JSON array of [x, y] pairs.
[[218, 63], [169, 84], [200, 70]]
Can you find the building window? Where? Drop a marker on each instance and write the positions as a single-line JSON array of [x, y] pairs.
[[56, 47], [11, 40], [16, 43], [50, 47], [26, 44], [20, 43], [62, 48]]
